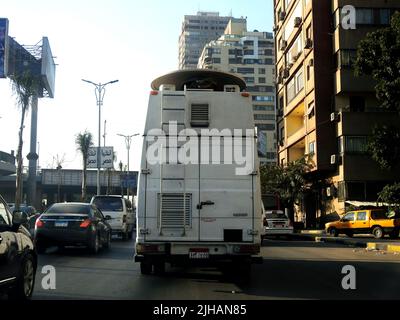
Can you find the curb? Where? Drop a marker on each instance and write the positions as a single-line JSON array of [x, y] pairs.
[[387, 247], [383, 247]]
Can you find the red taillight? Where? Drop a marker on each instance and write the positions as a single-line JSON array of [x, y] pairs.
[[39, 223], [86, 223], [245, 94], [154, 93]]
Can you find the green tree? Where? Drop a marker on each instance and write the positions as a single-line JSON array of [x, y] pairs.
[[25, 87], [83, 142], [288, 182], [391, 195], [379, 56], [384, 146]]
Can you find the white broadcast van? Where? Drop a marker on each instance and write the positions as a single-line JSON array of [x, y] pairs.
[[199, 199]]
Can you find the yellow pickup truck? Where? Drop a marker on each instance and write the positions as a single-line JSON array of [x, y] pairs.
[[375, 222]]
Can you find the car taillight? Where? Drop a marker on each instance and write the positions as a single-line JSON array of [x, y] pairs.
[[86, 223], [39, 223]]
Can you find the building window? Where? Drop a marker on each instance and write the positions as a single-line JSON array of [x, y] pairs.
[[261, 71], [245, 70], [216, 60], [216, 51], [248, 52], [311, 148], [248, 43], [384, 16], [264, 117], [263, 98], [295, 85], [264, 108], [266, 127], [365, 16], [249, 80], [262, 80], [311, 111], [355, 145]]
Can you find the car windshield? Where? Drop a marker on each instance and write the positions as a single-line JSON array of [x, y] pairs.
[[276, 216], [68, 208], [108, 204]]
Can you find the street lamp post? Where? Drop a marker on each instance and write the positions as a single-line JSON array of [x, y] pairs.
[[100, 90], [128, 142]]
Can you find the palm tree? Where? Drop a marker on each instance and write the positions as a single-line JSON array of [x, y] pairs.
[[83, 142], [25, 87]]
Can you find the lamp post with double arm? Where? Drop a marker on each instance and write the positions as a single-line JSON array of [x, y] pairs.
[[100, 90]]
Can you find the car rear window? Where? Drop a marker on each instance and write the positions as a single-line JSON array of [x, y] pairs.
[[108, 204], [68, 208], [276, 216], [378, 215]]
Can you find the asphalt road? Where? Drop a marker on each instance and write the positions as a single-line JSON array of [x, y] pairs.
[[291, 270]]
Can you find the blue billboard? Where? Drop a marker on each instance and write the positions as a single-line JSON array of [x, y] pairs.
[[3, 47]]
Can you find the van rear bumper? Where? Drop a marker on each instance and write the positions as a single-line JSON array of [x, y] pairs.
[[185, 260]]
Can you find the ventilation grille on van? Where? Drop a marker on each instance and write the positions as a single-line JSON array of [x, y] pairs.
[[200, 116], [172, 210]]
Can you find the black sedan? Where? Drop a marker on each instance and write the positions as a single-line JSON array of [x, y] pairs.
[[72, 224], [18, 259]]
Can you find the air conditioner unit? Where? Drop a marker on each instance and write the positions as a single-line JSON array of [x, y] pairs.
[[167, 87], [286, 73], [297, 22], [308, 43], [335, 117], [282, 16], [283, 45], [329, 192], [336, 159]]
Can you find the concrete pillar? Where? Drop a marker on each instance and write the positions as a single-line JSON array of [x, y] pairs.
[[33, 156]]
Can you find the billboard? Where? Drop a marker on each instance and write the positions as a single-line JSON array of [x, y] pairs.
[[48, 68], [3, 47], [106, 158]]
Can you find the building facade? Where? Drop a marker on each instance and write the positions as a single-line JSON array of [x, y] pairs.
[[197, 31], [323, 110], [251, 55]]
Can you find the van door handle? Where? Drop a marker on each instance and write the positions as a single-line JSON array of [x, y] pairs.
[[206, 203]]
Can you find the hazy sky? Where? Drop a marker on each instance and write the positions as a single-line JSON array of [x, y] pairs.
[[102, 40]]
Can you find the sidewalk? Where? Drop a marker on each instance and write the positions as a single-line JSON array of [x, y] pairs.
[[391, 246]]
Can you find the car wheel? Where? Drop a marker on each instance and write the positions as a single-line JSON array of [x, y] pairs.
[[333, 232], [107, 244], [146, 268], [95, 244], [378, 233], [26, 281]]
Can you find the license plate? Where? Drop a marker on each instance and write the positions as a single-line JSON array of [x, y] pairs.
[[199, 254], [61, 224]]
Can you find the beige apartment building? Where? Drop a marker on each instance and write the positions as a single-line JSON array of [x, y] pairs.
[[251, 55], [325, 111]]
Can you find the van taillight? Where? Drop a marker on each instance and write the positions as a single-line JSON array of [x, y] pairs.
[[154, 93], [86, 223], [39, 223], [245, 94]]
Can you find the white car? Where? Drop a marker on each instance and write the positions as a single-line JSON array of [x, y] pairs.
[[121, 213], [276, 223]]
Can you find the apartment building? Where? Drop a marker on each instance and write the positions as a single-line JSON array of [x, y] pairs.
[[251, 55], [197, 31], [323, 110]]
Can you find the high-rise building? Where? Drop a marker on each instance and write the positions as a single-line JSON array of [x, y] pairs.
[[325, 111], [251, 55], [197, 31]]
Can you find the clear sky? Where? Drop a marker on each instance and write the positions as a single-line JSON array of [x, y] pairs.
[[102, 40]]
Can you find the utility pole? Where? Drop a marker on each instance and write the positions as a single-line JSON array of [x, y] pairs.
[[100, 90]]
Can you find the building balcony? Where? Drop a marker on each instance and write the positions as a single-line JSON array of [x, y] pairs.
[[296, 136], [7, 164]]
